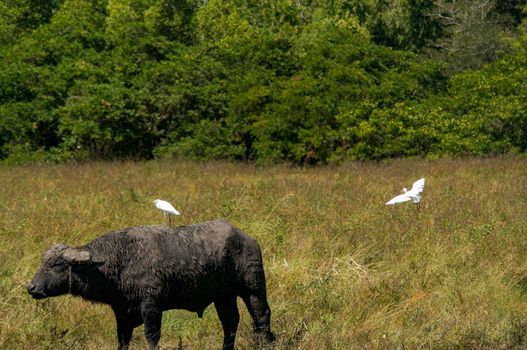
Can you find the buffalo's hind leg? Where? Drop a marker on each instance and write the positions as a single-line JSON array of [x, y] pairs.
[[229, 316], [261, 314]]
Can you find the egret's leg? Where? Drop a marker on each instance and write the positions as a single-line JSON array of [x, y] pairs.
[[164, 218]]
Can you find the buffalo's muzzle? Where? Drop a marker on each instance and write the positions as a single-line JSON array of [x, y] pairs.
[[35, 293]]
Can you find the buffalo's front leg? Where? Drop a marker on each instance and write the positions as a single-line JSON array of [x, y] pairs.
[[151, 314], [228, 314], [124, 335], [124, 329]]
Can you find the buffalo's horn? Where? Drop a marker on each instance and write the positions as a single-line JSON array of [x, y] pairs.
[[75, 256]]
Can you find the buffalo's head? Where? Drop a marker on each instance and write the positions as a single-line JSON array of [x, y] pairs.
[[54, 275]]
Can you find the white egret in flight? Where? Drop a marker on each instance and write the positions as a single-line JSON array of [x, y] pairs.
[[414, 194], [167, 209]]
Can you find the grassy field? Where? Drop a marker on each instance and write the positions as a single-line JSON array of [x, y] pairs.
[[344, 271]]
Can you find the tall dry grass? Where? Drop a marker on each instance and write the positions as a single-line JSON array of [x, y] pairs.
[[344, 271]]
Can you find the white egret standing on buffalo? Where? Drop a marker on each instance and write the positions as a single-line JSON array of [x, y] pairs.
[[167, 209]]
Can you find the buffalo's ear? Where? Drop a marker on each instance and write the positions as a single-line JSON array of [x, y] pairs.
[[76, 257]]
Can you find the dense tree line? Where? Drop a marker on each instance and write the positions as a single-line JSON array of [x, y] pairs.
[[305, 81]]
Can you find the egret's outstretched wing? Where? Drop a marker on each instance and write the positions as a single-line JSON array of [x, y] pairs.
[[399, 199], [418, 186]]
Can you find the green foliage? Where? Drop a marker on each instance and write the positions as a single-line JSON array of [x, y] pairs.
[[404, 24], [273, 81]]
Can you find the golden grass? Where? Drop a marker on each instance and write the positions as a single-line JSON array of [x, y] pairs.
[[344, 271]]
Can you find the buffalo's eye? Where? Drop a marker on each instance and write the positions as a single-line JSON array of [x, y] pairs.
[[59, 265]]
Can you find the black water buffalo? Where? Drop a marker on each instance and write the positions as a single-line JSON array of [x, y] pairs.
[[142, 271]]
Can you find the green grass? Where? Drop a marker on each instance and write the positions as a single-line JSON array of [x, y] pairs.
[[344, 271]]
